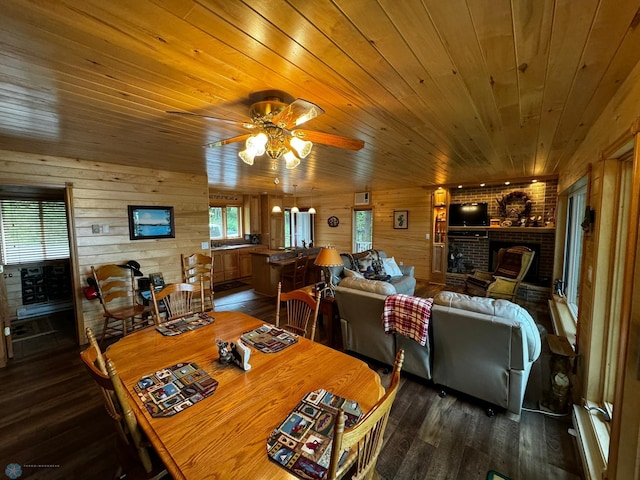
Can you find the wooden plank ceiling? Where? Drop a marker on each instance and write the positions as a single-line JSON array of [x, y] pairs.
[[440, 91]]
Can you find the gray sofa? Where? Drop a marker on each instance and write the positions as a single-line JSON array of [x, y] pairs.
[[478, 346], [373, 259]]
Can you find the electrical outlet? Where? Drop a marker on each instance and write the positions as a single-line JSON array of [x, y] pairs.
[[105, 228], [427, 236], [205, 245]]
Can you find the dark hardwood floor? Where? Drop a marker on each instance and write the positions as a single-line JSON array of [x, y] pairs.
[[53, 423]]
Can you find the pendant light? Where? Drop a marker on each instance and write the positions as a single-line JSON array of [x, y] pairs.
[[276, 208], [312, 211], [295, 208]]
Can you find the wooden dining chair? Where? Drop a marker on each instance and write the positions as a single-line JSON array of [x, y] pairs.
[[122, 311], [177, 300], [132, 448], [199, 266], [295, 275], [364, 440], [301, 310]]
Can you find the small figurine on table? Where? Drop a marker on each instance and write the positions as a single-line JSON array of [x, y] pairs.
[[237, 353], [223, 350]]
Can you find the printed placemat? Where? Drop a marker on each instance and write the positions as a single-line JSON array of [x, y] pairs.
[[173, 389], [184, 324], [269, 339], [302, 442]]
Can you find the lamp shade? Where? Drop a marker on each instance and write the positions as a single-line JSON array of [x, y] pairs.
[[328, 257]]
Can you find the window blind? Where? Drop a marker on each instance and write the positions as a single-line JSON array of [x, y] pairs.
[[33, 231]]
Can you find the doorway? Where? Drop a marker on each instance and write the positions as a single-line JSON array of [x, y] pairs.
[[36, 283]]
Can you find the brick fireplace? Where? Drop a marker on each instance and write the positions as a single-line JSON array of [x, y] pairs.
[[481, 253], [468, 252]]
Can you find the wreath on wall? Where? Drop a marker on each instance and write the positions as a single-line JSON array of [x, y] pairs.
[[520, 209]]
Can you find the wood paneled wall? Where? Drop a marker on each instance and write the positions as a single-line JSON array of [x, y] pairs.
[[409, 246], [101, 193], [617, 118]]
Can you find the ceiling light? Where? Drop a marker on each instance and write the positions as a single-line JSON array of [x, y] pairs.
[[507, 183], [276, 208], [290, 160], [459, 186], [302, 147], [312, 211], [276, 142], [255, 146], [482, 184], [295, 208]]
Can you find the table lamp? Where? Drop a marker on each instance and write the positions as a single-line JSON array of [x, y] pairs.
[[328, 257]]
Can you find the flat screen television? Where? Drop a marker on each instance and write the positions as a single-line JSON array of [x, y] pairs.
[[469, 214]]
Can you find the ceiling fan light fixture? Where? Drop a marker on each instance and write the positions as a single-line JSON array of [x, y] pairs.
[[302, 147], [247, 156], [257, 143], [290, 160]]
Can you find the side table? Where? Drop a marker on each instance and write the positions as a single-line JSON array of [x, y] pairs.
[[330, 318]]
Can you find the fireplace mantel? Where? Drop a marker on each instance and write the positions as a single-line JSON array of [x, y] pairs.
[[549, 230]]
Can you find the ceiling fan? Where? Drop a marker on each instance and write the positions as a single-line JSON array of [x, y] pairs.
[[273, 125]]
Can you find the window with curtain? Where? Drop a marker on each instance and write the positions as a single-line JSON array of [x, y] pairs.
[[225, 222], [33, 231]]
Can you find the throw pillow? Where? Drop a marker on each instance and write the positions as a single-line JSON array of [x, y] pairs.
[[378, 265], [365, 262], [391, 267], [352, 273]]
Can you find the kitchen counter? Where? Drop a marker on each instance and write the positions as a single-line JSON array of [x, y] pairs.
[[235, 247], [267, 264]]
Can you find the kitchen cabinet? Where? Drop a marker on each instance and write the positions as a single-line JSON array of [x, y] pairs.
[[255, 218], [245, 262], [230, 264], [218, 268]]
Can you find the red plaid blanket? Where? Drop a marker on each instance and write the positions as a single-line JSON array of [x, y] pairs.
[[408, 316]]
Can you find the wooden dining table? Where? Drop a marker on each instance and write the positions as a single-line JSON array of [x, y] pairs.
[[224, 435]]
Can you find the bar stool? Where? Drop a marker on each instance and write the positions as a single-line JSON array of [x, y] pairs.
[[296, 275]]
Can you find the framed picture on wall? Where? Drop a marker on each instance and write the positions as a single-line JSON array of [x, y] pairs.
[[150, 222], [401, 219]]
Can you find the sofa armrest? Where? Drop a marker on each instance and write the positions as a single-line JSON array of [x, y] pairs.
[[407, 270], [361, 324]]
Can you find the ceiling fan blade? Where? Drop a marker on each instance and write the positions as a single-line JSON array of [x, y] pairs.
[[329, 139], [217, 119], [296, 113], [226, 141]]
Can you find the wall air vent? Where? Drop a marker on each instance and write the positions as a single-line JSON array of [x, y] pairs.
[[362, 198]]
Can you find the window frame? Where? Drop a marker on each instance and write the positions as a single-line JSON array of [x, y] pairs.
[[53, 244], [573, 245], [355, 244], [293, 237], [224, 221]]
